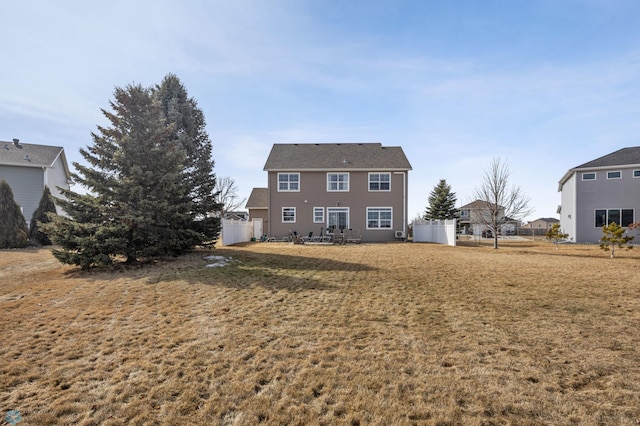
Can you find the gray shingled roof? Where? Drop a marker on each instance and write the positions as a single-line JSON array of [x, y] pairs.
[[621, 157], [336, 156], [28, 155], [257, 199]]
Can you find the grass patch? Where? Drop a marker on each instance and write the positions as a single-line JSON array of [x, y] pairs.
[[294, 334]]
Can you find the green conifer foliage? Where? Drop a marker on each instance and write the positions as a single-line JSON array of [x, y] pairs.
[[555, 234], [140, 202], [46, 205], [187, 122], [13, 227], [614, 236], [442, 202]]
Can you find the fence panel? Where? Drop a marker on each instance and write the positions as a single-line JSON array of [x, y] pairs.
[[236, 231], [435, 231]]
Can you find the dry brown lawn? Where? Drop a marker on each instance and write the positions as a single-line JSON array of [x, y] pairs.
[[387, 334]]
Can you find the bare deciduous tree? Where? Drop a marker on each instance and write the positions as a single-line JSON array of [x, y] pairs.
[[227, 195], [504, 202]]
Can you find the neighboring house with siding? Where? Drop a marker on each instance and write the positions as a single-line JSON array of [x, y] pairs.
[[475, 217], [361, 187], [538, 226], [28, 168], [599, 192]]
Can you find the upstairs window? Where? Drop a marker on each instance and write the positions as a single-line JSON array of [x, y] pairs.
[[338, 182], [379, 181], [614, 175], [288, 182], [636, 173], [589, 176]]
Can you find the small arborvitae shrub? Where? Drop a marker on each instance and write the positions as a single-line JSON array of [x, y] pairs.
[[40, 217], [13, 227]]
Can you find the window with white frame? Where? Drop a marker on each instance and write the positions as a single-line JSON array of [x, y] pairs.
[[379, 217], [337, 182], [622, 217], [636, 173], [379, 181], [589, 176], [288, 215], [318, 215], [288, 182], [614, 175]]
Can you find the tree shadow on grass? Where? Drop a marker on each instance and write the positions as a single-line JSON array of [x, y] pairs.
[[241, 269]]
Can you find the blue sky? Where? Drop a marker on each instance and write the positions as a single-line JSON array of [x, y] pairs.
[[545, 85]]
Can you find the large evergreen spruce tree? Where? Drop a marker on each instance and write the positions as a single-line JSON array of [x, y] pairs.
[[442, 202], [188, 127], [40, 217], [140, 202], [13, 227]]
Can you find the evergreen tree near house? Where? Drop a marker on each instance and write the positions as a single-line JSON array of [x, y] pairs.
[[187, 124], [442, 202], [614, 236], [141, 202], [40, 217], [555, 235], [13, 227]]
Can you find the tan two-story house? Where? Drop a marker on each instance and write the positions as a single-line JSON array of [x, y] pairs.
[[361, 187]]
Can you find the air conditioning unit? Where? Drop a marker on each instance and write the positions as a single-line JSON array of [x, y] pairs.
[[400, 234]]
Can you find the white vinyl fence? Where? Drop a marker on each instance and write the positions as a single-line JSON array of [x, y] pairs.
[[435, 231], [236, 231]]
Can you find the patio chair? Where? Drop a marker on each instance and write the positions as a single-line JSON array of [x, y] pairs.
[[295, 238], [353, 237]]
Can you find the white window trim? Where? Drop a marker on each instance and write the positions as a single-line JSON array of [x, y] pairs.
[[379, 228], [314, 214], [338, 190], [289, 183], [295, 215], [595, 176], [607, 215], [378, 173], [339, 209], [614, 171], [634, 174]]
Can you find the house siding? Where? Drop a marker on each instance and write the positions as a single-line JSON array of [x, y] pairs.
[[568, 210], [603, 193], [27, 184], [313, 193]]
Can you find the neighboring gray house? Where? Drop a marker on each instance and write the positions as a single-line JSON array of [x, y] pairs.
[[28, 168], [599, 192], [340, 186]]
